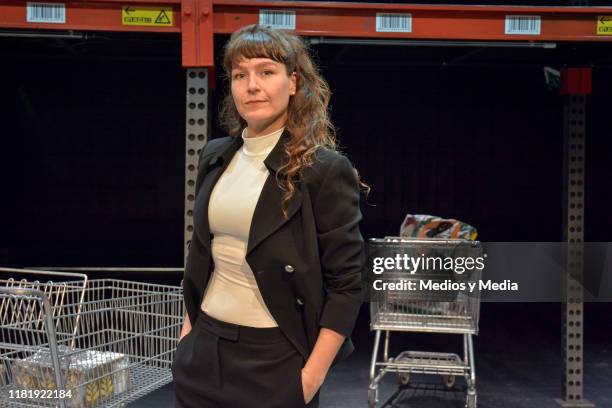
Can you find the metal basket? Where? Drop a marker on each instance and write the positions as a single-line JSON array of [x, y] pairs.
[[444, 311], [74, 342]]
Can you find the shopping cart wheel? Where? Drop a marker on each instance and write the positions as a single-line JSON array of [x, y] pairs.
[[403, 378], [372, 398], [470, 401], [449, 381]]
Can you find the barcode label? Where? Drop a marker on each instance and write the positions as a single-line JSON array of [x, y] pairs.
[[46, 13], [523, 25], [282, 19], [393, 23]]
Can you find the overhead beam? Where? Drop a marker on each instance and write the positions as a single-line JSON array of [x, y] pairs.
[[199, 20], [448, 22]]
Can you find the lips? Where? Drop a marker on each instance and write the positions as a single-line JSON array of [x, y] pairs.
[[251, 102]]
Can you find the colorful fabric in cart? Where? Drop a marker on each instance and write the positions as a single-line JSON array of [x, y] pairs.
[[431, 226]]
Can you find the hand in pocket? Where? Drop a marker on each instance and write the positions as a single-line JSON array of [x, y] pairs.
[[310, 386]]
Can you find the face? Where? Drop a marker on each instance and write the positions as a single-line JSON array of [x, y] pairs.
[[261, 89]]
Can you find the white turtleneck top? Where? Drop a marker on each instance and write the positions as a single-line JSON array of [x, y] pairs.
[[232, 294]]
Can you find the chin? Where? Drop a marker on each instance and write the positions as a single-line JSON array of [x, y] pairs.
[[255, 118]]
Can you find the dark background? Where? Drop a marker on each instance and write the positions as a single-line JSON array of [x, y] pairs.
[[92, 166], [94, 130]]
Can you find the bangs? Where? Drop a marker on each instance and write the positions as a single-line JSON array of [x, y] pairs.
[[249, 44]]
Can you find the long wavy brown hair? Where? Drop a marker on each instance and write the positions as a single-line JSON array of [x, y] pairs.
[[308, 120]]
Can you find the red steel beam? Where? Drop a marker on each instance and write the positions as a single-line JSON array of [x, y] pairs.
[[199, 20], [197, 38], [99, 15], [576, 81], [448, 22]]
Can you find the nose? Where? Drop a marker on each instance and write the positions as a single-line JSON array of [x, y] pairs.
[[252, 83]]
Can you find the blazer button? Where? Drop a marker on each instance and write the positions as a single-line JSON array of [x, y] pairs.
[[289, 269], [299, 301]]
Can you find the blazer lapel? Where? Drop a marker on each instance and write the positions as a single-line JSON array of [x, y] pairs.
[[268, 216]]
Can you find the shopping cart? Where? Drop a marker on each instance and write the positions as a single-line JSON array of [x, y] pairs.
[[450, 309], [66, 341]]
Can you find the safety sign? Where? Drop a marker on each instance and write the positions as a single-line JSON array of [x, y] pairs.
[[146, 16], [604, 25]]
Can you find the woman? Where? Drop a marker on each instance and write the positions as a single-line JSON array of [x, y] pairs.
[[272, 280]]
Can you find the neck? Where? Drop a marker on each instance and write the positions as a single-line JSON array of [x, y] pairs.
[[261, 145]]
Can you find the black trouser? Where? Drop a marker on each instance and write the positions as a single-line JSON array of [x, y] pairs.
[[224, 365]]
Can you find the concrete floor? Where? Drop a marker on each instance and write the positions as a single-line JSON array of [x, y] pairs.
[[518, 363]]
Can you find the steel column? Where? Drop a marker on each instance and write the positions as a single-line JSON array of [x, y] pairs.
[[197, 33], [577, 84], [197, 129]]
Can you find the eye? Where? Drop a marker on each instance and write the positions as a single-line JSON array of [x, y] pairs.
[[268, 72], [238, 75]]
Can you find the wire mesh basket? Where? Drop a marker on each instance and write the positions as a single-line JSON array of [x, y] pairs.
[[74, 342], [429, 296]]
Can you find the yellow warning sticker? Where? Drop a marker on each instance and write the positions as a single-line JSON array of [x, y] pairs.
[[146, 16], [604, 25]]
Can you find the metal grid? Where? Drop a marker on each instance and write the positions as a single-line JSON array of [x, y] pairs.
[[443, 311], [422, 323], [197, 129], [108, 341], [424, 362], [573, 307]]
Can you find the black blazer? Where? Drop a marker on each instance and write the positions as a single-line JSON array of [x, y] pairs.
[[307, 267]]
